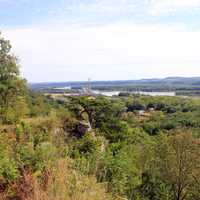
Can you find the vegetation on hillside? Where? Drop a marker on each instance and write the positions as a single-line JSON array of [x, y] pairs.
[[82, 148]]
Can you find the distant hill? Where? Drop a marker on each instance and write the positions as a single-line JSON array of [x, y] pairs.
[[169, 83]]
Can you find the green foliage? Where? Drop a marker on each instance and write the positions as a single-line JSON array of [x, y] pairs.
[[128, 160], [99, 111], [12, 87], [86, 146], [115, 130], [153, 188], [8, 166], [38, 105], [26, 155], [120, 170], [8, 169], [45, 154]]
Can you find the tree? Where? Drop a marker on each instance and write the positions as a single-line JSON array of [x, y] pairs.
[[153, 188], [179, 163], [119, 167], [11, 85]]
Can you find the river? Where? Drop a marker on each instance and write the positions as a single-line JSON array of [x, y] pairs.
[[116, 93]]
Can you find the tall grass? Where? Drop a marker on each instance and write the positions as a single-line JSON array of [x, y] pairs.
[[62, 182]]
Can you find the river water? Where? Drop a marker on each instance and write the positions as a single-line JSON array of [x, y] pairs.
[[116, 93]]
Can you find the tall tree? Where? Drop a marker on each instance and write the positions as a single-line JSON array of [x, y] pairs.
[[179, 163], [12, 87]]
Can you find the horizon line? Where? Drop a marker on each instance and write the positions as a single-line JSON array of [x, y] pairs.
[[85, 81]]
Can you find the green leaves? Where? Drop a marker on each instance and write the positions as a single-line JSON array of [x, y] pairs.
[[8, 166], [11, 85], [8, 169], [121, 170]]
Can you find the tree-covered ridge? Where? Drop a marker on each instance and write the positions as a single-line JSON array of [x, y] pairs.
[[86, 148], [182, 86]]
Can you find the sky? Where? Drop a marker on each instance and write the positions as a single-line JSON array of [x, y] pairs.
[[73, 40]]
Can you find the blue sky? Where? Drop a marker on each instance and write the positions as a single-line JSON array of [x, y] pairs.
[[68, 40]]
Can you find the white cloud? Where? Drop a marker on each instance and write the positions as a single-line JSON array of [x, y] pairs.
[[177, 3], [113, 6], [134, 6], [166, 6], [118, 51]]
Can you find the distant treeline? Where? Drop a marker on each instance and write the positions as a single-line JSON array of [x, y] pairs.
[[147, 85]]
